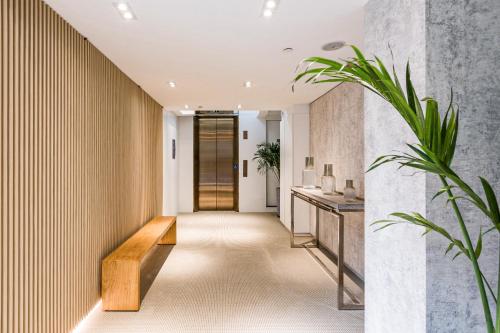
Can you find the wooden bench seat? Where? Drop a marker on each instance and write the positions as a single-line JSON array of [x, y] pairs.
[[121, 269]]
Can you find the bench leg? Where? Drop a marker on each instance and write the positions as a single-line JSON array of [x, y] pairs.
[[170, 237], [121, 286]]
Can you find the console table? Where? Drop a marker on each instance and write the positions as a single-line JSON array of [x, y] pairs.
[[334, 204]]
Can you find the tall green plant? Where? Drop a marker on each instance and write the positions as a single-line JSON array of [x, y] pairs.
[[437, 137], [268, 158]]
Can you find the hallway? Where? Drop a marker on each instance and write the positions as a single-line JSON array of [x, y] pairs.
[[234, 272]]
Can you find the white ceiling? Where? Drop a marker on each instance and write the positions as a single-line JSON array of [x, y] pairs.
[[211, 47]]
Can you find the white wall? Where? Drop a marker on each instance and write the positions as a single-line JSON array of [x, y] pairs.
[[272, 135], [169, 165], [294, 139], [252, 191], [185, 166]]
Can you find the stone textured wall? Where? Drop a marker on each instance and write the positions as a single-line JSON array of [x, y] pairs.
[[463, 52], [449, 44], [336, 120], [336, 136], [395, 266]]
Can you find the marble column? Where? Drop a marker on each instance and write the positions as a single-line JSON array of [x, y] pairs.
[[410, 285], [395, 259], [463, 53]]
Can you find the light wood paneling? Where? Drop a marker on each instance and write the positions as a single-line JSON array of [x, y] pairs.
[[170, 237], [80, 168]]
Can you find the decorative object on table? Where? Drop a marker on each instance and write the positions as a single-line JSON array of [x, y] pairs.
[[308, 174], [349, 190], [328, 180], [437, 137], [173, 149], [268, 159]]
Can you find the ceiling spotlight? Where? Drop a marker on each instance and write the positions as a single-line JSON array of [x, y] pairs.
[[248, 84], [171, 84], [269, 7], [271, 4], [128, 15], [186, 106], [267, 12], [125, 10], [239, 106], [333, 46], [123, 7]]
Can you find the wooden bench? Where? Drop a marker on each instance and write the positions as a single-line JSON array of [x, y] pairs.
[[121, 278]]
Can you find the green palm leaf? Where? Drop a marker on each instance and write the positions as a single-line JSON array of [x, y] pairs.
[[268, 158], [437, 138]]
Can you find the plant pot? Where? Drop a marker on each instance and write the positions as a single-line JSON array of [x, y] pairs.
[[278, 201]]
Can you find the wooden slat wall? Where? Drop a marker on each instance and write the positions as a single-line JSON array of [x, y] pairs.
[[80, 169]]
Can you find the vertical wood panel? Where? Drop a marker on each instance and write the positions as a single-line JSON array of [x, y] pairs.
[[80, 169]]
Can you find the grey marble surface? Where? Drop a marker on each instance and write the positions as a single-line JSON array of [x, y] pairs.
[[335, 201], [336, 137], [411, 286], [463, 53], [395, 269]]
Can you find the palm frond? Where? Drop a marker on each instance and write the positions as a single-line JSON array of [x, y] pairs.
[[268, 158], [437, 138]]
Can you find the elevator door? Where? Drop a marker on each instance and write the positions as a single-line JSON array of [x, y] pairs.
[[216, 161]]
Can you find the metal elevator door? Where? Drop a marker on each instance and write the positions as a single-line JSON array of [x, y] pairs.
[[216, 163]]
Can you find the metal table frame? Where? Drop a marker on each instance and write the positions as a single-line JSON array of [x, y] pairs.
[[339, 260]]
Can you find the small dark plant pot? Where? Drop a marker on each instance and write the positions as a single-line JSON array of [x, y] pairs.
[[278, 201]]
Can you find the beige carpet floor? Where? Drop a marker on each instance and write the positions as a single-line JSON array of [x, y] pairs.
[[234, 272]]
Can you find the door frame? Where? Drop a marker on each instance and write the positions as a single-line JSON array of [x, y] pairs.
[[196, 159]]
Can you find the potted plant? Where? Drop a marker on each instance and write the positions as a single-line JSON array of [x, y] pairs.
[[437, 136], [268, 159]]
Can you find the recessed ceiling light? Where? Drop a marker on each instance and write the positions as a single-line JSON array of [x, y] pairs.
[[171, 84], [125, 10], [122, 6], [271, 4], [333, 46], [128, 15], [269, 7], [186, 106], [239, 106], [267, 12], [248, 84]]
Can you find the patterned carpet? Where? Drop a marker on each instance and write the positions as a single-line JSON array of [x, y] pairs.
[[234, 272]]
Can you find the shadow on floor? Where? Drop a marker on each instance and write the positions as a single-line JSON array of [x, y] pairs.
[[152, 265]]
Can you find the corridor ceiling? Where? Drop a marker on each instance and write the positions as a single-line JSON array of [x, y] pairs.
[[210, 48]]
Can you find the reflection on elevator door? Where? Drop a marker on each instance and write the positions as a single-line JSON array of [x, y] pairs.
[[216, 158]]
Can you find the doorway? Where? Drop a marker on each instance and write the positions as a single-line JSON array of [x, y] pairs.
[[215, 162]]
